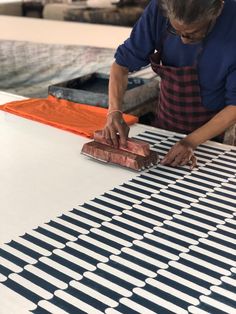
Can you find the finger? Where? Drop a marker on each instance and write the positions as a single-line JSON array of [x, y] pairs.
[[178, 160], [114, 138], [123, 132], [107, 136], [193, 162], [184, 162], [167, 159], [186, 158], [171, 155], [104, 133]]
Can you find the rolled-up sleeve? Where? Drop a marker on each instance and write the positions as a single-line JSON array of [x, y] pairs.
[[135, 51]]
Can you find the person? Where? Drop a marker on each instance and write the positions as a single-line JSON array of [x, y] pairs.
[[191, 45]]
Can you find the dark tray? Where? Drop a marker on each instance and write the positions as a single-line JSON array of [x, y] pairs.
[[92, 89]]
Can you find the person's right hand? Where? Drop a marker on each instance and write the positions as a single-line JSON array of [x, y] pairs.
[[116, 130]]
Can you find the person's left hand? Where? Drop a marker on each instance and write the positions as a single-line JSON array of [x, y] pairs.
[[179, 155]]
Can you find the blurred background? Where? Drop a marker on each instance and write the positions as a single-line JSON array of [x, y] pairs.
[[113, 12]]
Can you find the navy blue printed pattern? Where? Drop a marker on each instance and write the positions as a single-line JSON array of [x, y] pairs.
[[163, 242]]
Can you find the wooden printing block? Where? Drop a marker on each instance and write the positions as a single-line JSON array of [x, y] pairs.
[[136, 156]]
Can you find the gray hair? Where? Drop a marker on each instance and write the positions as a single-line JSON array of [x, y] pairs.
[[190, 11]]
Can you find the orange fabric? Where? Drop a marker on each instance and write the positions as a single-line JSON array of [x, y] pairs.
[[63, 114]]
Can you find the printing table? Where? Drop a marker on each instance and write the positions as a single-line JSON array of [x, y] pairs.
[[78, 236]]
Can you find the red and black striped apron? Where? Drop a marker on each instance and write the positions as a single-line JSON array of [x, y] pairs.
[[180, 107]]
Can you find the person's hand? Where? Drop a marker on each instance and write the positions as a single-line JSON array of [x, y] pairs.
[[116, 130], [179, 155]]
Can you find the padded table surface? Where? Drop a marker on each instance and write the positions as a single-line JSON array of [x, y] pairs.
[[78, 236]]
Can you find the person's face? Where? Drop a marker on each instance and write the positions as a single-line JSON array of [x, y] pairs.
[[190, 33]]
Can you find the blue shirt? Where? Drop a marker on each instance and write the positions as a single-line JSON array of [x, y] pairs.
[[216, 64]]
